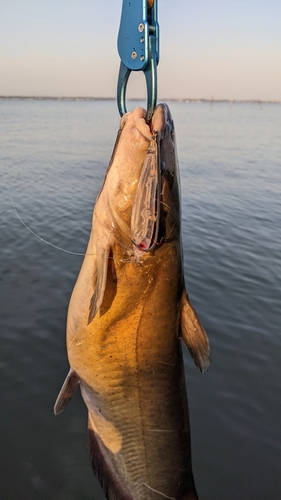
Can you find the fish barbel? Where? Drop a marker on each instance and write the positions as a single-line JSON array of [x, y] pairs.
[[127, 313]]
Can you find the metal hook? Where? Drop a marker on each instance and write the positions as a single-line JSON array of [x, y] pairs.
[[151, 85], [138, 47]]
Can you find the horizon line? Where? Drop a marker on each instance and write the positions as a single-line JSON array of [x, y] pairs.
[[173, 99]]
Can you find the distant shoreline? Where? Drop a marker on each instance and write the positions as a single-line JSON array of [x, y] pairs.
[[184, 100]]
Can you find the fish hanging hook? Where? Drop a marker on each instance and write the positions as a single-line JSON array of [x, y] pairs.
[[138, 47]]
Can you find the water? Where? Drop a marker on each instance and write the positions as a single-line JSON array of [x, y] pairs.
[[54, 155]]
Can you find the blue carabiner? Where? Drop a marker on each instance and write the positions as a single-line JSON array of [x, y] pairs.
[[138, 47]]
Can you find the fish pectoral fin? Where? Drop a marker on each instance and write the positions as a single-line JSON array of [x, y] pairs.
[[68, 388], [99, 281], [193, 334]]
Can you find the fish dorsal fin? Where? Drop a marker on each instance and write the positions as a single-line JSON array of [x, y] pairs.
[[69, 387], [193, 334], [99, 281]]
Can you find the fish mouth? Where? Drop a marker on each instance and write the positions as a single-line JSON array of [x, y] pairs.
[[162, 122], [148, 219]]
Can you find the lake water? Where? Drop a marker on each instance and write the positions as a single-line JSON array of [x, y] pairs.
[[53, 159]]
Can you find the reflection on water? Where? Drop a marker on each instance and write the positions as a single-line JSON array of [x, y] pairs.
[[54, 155]]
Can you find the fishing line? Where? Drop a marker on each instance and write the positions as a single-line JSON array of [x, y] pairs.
[[37, 235], [31, 231]]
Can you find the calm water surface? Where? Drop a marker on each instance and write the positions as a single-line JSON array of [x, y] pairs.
[[53, 157]]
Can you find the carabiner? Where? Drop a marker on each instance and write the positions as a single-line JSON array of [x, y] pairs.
[[138, 47]]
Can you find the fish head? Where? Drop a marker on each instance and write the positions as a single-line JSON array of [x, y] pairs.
[[114, 203], [139, 201]]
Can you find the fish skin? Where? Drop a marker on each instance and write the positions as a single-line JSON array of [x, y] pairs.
[[125, 320]]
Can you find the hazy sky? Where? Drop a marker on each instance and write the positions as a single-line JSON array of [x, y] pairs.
[[225, 49]]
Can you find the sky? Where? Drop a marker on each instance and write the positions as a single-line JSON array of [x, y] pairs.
[[211, 49]]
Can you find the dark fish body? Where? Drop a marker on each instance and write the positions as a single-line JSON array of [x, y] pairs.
[[127, 313]]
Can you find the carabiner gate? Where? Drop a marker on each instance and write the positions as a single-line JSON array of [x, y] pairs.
[[138, 47]]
